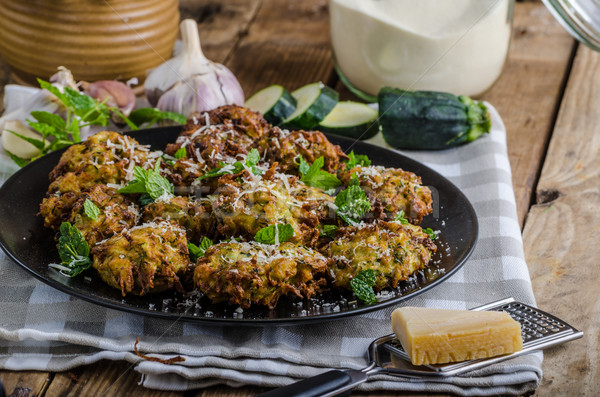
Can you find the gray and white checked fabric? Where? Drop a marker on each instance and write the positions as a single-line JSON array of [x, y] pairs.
[[44, 329]]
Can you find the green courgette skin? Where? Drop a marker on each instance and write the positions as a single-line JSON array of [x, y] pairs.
[[282, 109], [316, 112], [430, 120]]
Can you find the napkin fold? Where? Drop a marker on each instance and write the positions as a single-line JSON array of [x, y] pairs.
[[47, 330]]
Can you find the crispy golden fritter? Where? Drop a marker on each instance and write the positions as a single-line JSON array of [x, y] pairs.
[[105, 156], [391, 190], [393, 250], [284, 147], [152, 257], [56, 208], [254, 273], [223, 134], [245, 203], [117, 213], [193, 215]]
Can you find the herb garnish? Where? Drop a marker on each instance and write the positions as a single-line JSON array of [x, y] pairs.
[[400, 217], [180, 153], [352, 204], [199, 251], [356, 160], [152, 116], [149, 182], [91, 209], [250, 163], [313, 175], [275, 234], [329, 230], [73, 250], [429, 231], [362, 285]]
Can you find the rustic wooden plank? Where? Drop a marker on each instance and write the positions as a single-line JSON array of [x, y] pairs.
[[563, 230], [287, 44], [528, 92], [221, 24], [25, 383], [105, 378]]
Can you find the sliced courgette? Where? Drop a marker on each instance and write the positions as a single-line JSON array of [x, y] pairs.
[[274, 102], [313, 103], [351, 119], [430, 120]]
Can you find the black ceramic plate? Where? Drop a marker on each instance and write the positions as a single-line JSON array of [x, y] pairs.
[[27, 242]]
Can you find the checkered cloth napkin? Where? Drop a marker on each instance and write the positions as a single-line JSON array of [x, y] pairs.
[[44, 329]]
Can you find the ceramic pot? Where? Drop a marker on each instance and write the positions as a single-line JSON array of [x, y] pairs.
[[96, 40]]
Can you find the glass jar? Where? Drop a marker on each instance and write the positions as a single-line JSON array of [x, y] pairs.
[[456, 46], [580, 17]]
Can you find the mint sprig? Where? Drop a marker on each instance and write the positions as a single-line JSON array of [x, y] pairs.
[[275, 234], [399, 217], [73, 250], [180, 153], [356, 160], [198, 251], [313, 175], [91, 209], [148, 182], [149, 116], [250, 163], [352, 204], [362, 285]]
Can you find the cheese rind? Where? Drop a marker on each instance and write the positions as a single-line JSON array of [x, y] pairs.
[[437, 336]]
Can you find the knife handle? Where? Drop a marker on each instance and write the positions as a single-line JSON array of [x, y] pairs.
[[330, 383]]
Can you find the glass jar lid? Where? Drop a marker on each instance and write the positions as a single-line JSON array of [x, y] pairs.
[[580, 17]]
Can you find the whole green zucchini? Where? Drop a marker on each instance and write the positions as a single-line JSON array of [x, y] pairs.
[[430, 120]]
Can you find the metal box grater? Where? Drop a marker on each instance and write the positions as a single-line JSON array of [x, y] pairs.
[[539, 330]]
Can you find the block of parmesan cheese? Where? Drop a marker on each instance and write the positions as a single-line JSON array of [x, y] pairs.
[[437, 336]]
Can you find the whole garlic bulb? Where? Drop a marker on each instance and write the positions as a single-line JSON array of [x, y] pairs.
[[189, 82]]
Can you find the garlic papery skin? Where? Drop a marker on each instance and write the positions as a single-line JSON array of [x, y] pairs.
[[114, 93], [15, 144], [198, 83]]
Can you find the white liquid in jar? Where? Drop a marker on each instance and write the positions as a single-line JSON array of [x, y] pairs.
[[457, 46]]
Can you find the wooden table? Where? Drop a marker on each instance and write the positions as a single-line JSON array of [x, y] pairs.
[[549, 98]]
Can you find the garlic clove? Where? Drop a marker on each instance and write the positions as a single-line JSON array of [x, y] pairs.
[[213, 84], [115, 93], [15, 144]]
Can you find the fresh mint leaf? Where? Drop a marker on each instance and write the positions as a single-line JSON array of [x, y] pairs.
[[304, 166], [352, 204], [429, 231], [251, 161], [21, 162], [199, 251], [91, 209], [399, 217], [180, 153], [149, 182], [356, 160], [314, 176], [362, 285], [329, 230], [275, 234], [49, 118], [152, 116], [73, 250]]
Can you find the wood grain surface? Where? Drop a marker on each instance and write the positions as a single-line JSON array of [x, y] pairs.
[[548, 96]]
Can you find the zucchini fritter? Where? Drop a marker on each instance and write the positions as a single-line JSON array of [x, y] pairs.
[[391, 190], [152, 257], [284, 147], [107, 157], [246, 203], [394, 251], [221, 134], [117, 213], [192, 215], [254, 273]]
